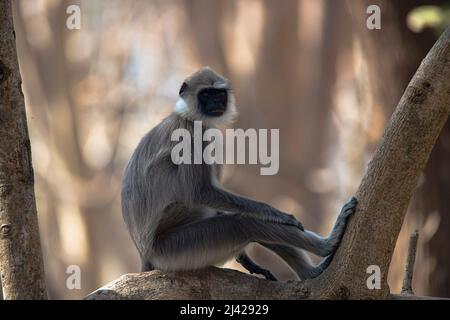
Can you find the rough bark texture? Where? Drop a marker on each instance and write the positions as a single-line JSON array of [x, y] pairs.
[[21, 266], [210, 283], [383, 197]]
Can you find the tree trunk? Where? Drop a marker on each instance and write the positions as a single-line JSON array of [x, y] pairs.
[[388, 79], [21, 265], [383, 195]]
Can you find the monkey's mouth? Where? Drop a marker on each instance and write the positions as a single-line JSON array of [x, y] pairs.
[[213, 102], [216, 112]]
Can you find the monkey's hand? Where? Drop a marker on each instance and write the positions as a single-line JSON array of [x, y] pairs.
[[253, 268], [280, 217]]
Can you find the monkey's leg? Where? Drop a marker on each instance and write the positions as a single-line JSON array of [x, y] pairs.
[[252, 267], [318, 245], [337, 233], [214, 240], [201, 243], [299, 260]]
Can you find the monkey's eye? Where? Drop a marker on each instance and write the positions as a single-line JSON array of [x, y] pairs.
[[183, 88]]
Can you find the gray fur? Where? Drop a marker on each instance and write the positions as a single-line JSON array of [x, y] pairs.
[[180, 218]]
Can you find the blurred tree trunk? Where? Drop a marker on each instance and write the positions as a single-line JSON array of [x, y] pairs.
[[393, 54], [432, 201], [21, 265], [59, 111], [60, 118], [206, 22], [285, 82]]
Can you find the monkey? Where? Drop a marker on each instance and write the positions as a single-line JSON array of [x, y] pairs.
[[181, 218]]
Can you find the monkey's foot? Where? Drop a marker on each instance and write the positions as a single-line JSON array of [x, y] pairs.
[[335, 238], [349, 208], [253, 268]]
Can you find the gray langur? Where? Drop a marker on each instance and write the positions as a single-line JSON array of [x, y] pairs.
[[179, 216]]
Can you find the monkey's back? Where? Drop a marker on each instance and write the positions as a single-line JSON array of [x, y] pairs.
[[152, 184]]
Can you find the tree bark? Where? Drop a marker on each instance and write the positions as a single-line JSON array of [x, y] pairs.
[[383, 195], [21, 265]]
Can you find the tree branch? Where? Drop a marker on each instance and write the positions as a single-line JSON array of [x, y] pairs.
[[21, 266], [383, 197], [210, 283], [409, 267]]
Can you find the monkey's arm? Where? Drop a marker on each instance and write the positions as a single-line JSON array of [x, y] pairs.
[[203, 191], [219, 199]]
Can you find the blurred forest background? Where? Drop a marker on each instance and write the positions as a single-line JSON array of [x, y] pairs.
[[308, 67]]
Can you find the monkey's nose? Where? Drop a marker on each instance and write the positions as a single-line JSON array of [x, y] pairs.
[[213, 101]]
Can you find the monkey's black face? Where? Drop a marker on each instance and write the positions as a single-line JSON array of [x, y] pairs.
[[213, 102]]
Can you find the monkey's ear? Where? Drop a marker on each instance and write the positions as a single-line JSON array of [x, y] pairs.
[[183, 88]]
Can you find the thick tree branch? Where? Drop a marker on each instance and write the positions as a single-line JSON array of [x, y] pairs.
[[210, 283], [21, 266], [383, 197]]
